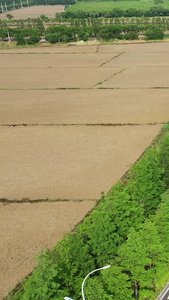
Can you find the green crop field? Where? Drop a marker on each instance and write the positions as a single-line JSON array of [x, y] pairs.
[[102, 6]]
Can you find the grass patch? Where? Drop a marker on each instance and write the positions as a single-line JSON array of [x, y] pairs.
[[104, 6]]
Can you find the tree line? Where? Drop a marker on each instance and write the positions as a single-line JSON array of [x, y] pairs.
[[127, 229], [64, 34]]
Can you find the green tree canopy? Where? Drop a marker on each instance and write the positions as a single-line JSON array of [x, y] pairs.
[[154, 33]]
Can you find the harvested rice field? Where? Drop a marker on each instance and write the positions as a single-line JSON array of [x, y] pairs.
[[73, 119]]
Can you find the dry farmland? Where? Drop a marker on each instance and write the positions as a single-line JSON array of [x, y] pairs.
[[73, 119], [34, 12]]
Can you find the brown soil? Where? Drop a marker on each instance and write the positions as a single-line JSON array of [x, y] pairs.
[[72, 162], [53, 49], [48, 151], [26, 229], [52, 78], [140, 60], [53, 61], [34, 12], [91, 106], [136, 77], [161, 47]]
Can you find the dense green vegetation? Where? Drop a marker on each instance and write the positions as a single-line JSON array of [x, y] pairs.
[[109, 5], [111, 9], [31, 31], [116, 12], [128, 229]]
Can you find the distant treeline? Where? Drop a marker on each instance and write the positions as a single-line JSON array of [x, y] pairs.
[[128, 229]]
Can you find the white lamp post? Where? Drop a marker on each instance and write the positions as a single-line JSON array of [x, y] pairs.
[[103, 268], [83, 295]]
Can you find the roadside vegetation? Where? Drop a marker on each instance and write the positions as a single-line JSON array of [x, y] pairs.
[[127, 229]]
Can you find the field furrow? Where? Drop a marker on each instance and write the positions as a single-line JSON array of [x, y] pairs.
[[73, 119]]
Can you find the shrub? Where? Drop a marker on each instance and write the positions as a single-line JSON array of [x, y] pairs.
[[52, 38], [35, 38], [20, 39], [154, 33]]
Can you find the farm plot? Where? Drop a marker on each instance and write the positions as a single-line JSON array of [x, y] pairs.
[[27, 228], [72, 162], [53, 49], [68, 132], [139, 59], [139, 77], [162, 47], [35, 12], [52, 78], [119, 106], [56, 60]]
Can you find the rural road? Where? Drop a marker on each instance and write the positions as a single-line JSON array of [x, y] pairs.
[[164, 294]]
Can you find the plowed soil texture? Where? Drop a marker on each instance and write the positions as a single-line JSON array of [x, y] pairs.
[[73, 119]]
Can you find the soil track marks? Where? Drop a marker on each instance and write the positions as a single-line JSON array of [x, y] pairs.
[[73, 119]]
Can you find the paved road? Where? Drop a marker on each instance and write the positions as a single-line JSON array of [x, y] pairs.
[[164, 294]]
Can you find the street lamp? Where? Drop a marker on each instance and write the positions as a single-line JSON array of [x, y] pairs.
[[83, 295], [103, 268]]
